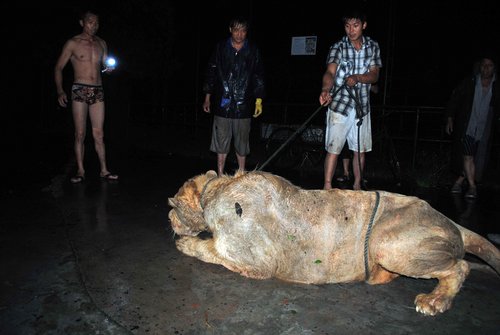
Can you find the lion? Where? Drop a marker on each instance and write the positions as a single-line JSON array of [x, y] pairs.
[[262, 226]]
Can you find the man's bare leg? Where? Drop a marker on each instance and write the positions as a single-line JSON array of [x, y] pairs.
[[241, 162], [345, 165], [470, 170], [221, 162], [460, 180], [330, 165], [80, 111], [470, 174], [356, 169], [96, 112]]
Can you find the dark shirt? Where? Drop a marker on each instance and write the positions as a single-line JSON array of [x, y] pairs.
[[459, 108], [234, 79], [460, 104]]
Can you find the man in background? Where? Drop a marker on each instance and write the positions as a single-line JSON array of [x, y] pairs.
[[87, 53], [472, 109], [234, 88]]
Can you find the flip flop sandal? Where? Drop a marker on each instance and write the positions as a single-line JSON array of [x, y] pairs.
[[77, 179], [110, 177]]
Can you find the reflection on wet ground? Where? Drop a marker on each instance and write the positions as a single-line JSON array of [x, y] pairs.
[[100, 257]]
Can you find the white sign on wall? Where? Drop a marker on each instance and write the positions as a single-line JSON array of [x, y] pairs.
[[304, 45]]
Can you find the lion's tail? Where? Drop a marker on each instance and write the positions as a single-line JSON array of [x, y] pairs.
[[479, 246]]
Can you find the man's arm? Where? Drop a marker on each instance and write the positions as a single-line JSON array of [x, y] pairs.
[[371, 77], [206, 103], [58, 73], [327, 84], [211, 73], [104, 52], [258, 76], [103, 64], [451, 108]]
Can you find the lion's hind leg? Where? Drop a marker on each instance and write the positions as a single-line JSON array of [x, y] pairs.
[[379, 275], [440, 299]]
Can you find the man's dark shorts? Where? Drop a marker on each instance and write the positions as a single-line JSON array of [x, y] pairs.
[[469, 145], [224, 129], [89, 94]]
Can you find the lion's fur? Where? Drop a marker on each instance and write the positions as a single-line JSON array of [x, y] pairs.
[[263, 226]]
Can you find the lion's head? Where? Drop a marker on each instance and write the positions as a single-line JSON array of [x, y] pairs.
[[186, 215]]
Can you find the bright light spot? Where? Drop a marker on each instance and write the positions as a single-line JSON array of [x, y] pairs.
[[110, 62]]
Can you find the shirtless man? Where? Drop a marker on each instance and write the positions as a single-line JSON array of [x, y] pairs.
[[87, 53]]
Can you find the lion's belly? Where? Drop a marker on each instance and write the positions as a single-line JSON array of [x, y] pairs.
[[320, 269], [315, 258]]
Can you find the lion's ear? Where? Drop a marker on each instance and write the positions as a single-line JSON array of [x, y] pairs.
[[173, 202], [211, 174]]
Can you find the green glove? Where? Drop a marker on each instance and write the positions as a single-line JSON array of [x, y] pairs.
[[258, 107]]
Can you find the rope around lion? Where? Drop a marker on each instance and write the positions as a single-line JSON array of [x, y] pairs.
[[369, 231]]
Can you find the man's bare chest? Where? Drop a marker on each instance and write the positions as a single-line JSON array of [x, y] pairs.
[[90, 51]]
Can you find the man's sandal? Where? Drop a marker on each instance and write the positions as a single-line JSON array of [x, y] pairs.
[[110, 177], [77, 179]]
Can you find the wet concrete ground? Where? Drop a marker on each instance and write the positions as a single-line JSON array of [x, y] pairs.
[[99, 258]]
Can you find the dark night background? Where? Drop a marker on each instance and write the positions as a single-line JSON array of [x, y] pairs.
[[162, 48]]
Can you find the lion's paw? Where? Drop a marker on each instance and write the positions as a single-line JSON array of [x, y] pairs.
[[186, 245], [432, 304]]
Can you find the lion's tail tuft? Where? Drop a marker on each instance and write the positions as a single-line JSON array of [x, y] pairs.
[[479, 246]]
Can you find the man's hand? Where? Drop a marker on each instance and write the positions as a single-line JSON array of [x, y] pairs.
[[62, 99], [258, 107], [325, 98], [449, 126], [206, 104], [352, 80]]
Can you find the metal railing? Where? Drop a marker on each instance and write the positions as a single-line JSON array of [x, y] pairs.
[[412, 128]]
